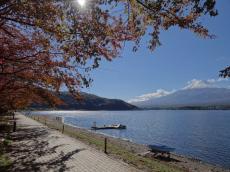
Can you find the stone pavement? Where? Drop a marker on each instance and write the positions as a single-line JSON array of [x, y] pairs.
[[35, 147]]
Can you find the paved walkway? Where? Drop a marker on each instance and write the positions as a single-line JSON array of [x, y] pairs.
[[38, 148]]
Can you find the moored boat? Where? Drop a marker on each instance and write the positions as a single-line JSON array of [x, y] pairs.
[[113, 126]]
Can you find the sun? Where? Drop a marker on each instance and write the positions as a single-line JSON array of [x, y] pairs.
[[81, 2]]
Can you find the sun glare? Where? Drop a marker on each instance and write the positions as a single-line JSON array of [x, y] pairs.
[[81, 2]]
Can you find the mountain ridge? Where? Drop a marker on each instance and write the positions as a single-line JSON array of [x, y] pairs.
[[87, 102], [198, 97]]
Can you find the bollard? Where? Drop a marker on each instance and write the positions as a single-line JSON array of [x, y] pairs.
[[105, 150], [14, 127], [63, 127]]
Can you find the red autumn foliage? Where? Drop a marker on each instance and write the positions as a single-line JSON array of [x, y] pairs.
[[45, 45]]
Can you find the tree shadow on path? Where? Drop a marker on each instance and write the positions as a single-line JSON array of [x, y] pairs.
[[29, 144]]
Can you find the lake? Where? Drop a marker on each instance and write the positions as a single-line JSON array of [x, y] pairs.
[[200, 134]]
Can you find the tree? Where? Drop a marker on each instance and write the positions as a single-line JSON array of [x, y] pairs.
[[48, 44], [225, 73]]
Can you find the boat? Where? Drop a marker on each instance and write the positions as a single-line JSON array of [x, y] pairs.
[[113, 126], [160, 148]]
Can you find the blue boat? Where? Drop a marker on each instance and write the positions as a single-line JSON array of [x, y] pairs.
[[160, 148]]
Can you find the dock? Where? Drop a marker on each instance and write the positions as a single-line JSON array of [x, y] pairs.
[[113, 126]]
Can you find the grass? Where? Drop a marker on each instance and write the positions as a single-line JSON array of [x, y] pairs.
[[143, 163], [5, 142], [5, 162], [121, 153]]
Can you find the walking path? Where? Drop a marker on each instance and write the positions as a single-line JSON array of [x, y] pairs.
[[36, 147]]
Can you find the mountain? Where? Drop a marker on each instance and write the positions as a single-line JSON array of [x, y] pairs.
[[199, 97], [88, 102]]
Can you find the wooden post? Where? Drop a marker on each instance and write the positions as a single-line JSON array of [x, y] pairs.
[[105, 149], [14, 126], [45, 121], [94, 126], [63, 127]]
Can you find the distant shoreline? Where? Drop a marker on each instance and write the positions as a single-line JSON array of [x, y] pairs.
[[186, 108], [138, 109]]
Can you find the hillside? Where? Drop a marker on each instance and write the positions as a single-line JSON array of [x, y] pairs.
[[88, 102], [202, 97]]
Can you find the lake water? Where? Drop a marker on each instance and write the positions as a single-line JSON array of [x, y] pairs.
[[200, 134]]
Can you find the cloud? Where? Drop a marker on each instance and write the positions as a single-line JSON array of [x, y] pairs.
[[222, 79], [158, 93], [193, 84], [209, 83]]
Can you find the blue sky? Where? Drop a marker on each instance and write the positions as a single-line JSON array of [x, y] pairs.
[[183, 57]]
